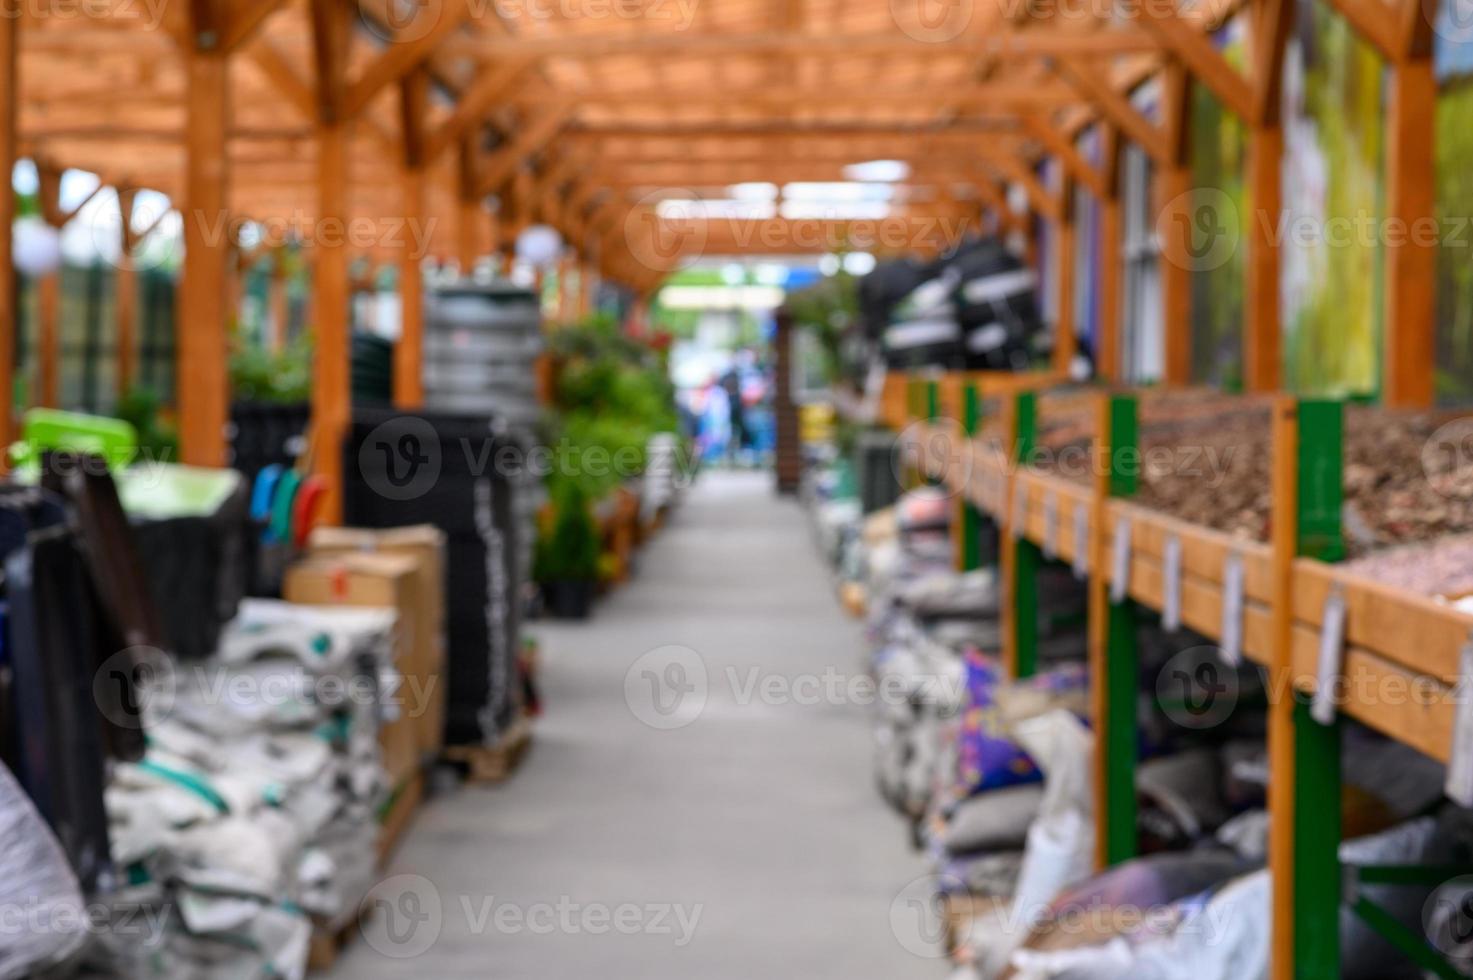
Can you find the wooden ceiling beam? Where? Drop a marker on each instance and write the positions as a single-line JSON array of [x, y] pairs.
[[1003, 44], [410, 48], [1068, 155], [1090, 82], [1376, 21], [964, 96], [503, 162], [475, 103], [245, 20], [1201, 57]]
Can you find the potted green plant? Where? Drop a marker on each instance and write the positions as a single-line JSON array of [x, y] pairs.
[[566, 561]]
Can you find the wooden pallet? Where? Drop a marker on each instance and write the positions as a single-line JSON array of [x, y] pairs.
[[400, 815], [959, 911], [328, 944], [490, 764]]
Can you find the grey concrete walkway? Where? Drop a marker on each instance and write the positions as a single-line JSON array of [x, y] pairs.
[[748, 844]]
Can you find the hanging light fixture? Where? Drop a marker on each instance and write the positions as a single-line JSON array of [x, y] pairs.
[[36, 247]]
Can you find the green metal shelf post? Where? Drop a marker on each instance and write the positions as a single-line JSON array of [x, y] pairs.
[[1027, 556], [1118, 736], [971, 517], [1317, 831]]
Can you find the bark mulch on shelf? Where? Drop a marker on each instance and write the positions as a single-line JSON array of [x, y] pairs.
[[1207, 459]]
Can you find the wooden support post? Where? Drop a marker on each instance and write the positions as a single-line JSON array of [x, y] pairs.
[[1261, 345], [789, 456], [1109, 294], [48, 350], [202, 331], [969, 518], [1411, 257], [470, 213], [331, 389], [1025, 557], [409, 351], [48, 292], [1114, 659], [1065, 339], [1173, 193], [9, 321], [1262, 367], [1304, 756], [125, 294]]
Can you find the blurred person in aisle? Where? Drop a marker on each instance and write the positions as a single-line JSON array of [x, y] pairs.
[[731, 384], [714, 412]]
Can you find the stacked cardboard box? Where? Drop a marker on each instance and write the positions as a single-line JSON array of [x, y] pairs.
[[400, 569]]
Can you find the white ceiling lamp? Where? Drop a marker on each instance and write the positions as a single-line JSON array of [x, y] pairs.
[[539, 246], [885, 171], [36, 247]]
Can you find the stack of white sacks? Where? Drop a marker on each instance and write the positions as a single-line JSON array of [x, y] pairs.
[[254, 813]]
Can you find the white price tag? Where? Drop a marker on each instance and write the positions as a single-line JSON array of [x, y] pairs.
[[1332, 656], [1232, 609], [1459, 786], [1081, 541], [1051, 525], [1020, 513], [1171, 584], [1120, 561]]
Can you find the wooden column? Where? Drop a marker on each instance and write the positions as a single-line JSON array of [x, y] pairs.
[[469, 212], [1261, 342], [9, 28], [48, 294], [1173, 192], [1411, 255], [331, 390], [202, 328], [409, 352], [125, 294], [1065, 340], [1112, 231]]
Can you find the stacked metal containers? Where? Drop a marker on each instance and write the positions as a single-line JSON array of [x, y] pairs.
[[481, 342]]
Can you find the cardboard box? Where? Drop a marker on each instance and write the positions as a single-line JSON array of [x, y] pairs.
[[381, 581], [425, 670]]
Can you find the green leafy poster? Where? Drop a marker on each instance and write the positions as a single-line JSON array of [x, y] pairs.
[[1329, 233]]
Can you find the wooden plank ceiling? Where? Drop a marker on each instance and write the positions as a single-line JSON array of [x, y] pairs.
[[583, 113]]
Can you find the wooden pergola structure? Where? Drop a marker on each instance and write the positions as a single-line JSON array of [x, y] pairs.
[[354, 120]]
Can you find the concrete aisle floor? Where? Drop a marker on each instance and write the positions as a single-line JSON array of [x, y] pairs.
[[748, 843]]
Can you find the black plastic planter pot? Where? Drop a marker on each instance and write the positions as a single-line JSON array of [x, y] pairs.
[[569, 599]]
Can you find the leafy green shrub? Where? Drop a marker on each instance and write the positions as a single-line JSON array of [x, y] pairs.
[[568, 551], [283, 377], [612, 394], [157, 439]]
